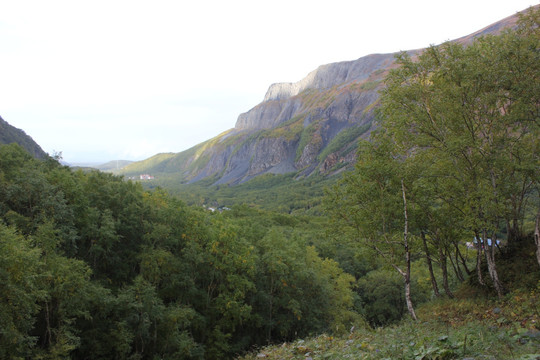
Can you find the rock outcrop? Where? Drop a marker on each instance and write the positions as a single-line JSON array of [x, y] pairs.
[[327, 76]]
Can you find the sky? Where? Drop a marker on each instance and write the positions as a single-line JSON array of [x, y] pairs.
[[108, 80]]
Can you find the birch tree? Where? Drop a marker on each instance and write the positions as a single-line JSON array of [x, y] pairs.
[[475, 109], [371, 204]]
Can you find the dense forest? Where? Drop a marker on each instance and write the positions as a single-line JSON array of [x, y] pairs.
[[95, 267]]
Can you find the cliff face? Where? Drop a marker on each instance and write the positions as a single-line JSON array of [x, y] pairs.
[[312, 125], [281, 102], [268, 114], [329, 75], [291, 130]]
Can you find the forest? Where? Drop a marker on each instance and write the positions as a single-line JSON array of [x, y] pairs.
[[93, 266]]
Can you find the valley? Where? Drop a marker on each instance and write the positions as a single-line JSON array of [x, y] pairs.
[[382, 208]]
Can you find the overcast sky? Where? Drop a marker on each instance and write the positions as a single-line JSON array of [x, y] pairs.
[[103, 80]]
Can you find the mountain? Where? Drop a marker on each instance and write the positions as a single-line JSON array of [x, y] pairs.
[[310, 126], [112, 165], [10, 134]]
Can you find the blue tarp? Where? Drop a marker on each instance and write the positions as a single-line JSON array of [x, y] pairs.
[[488, 241]]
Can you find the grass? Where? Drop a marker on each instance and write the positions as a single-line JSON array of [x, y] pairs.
[[469, 328]]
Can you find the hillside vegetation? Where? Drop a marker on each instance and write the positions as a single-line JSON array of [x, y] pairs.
[[455, 157], [94, 267], [426, 250], [450, 329], [10, 134]]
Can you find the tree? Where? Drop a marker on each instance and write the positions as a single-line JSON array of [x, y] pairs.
[[20, 292], [68, 292], [475, 109], [372, 203]]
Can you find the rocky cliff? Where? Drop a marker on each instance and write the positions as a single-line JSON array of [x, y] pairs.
[[289, 131], [308, 126], [327, 76]]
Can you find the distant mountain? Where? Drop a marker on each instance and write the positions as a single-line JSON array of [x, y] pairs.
[[113, 165], [10, 134], [311, 126]]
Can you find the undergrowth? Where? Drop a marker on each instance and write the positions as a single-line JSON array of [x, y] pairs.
[[447, 329]]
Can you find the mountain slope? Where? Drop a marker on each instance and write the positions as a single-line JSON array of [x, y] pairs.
[[10, 134], [113, 165], [289, 130], [311, 126]]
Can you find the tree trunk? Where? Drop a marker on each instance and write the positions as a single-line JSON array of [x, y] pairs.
[[462, 259], [537, 237], [270, 311], [408, 299], [490, 259], [430, 267], [455, 266], [48, 332], [512, 230], [444, 270], [479, 259]]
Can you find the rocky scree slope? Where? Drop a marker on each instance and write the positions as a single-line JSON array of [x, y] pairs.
[[309, 126]]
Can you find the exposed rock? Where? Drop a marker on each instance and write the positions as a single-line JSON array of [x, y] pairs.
[[333, 159], [326, 76], [309, 155], [268, 114], [328, 163], [268, 153]]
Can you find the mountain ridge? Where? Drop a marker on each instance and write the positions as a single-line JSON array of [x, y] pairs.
[[10, 134], [304, 127], [328, 75]]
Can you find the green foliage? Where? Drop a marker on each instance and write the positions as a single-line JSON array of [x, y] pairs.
[[94, 267], [308, 136], [468, 115], [451, 329], [455, 158], [318, 99], [19, 292], [345, 137], [475, 113], [155, 162], [273, 192], [381, 300], [289, 130], [370, 85], [193, 158]]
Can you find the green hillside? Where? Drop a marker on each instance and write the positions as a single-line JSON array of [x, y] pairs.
[[429, 248]]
